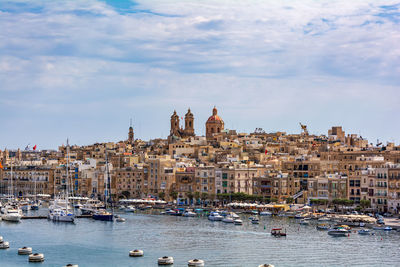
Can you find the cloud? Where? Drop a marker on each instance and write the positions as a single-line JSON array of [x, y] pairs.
[[264, 63]]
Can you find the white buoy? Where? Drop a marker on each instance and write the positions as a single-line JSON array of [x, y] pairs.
[[266, 265], [37, 257], [25, 251], [195, 263], [4, 245], [165, 260], [71, 265], [136, 253]]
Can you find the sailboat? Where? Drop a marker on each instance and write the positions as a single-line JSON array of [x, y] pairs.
[[34, 205], [12, 212], [103, 214], [59, 211]]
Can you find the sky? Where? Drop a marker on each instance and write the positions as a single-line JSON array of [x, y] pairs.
[[82, 69]]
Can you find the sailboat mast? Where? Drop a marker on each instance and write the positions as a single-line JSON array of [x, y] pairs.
[[67, 185], [11, 189], [106, 181]]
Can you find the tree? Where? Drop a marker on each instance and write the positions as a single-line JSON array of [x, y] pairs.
[[161, 195], [174, 195], [364, 204]]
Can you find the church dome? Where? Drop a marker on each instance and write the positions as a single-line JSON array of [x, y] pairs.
[[214, 116]]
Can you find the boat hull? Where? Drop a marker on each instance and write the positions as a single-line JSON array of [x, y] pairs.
[[102, 217]]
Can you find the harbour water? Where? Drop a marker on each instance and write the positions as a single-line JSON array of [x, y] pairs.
[[96, 243]]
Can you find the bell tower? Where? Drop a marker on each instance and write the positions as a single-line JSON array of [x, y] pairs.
[[174, 124], [131, 135], [189, 123]]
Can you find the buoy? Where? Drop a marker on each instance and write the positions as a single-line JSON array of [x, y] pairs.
[[136, 253], [71, 265], [25, 251], [195, 262], [266, 265], [4, 245], [37, 257], [165, 260]]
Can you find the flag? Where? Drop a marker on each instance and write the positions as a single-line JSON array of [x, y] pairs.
[[266, 151], [1, 166], [34, 148]]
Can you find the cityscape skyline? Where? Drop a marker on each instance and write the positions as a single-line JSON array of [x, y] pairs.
[[327, 63]]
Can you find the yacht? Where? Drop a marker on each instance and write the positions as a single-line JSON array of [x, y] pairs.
[[228, 219], [214, 216], [12, 214], [238, 222], [59, 211], [61, 215], [91, 206]]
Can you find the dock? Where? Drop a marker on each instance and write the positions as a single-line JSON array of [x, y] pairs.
[[45, 217]]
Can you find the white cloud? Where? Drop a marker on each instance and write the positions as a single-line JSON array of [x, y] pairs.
[[262, 62]]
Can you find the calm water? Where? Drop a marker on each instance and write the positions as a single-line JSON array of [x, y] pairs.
[[95, 243]]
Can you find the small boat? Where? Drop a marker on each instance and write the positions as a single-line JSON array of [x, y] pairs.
[[266, 265], [130, 209], [228, 219], [120, 219], [189, 213], [165, 260], [4, 245], [338, 232], [214, 216], [61, 215], [324, 219], [364, 232], [382, 227], [265, 213], [34, 206], [195, 263], [238, 222], [277, 232], [37, 257], [304, 222], [25, 251], [323, 226], [103, 215], [12, 214], [255, 220], [136, 253]]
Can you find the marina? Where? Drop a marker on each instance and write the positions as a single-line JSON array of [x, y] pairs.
[[187, 238]]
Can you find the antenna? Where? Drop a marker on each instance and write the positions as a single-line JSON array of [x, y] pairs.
[[130, 123]]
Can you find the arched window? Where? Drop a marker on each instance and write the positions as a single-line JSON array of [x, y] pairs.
[[218, 129], [212, 129], [190, 124]]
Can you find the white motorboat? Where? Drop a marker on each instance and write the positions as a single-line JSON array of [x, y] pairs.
[[234, 215], [12, 214], [130, 209], [24, 206], [237, 222], [61, 215], [364, 232], [304, 222], [265, 213], [228, 219], [255, 220], [338, 232], [189, 213], [214, 216]]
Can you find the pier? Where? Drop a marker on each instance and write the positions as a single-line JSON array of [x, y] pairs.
[[45, 217]]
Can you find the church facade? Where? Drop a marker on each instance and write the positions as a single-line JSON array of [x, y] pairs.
[[177, 131]]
